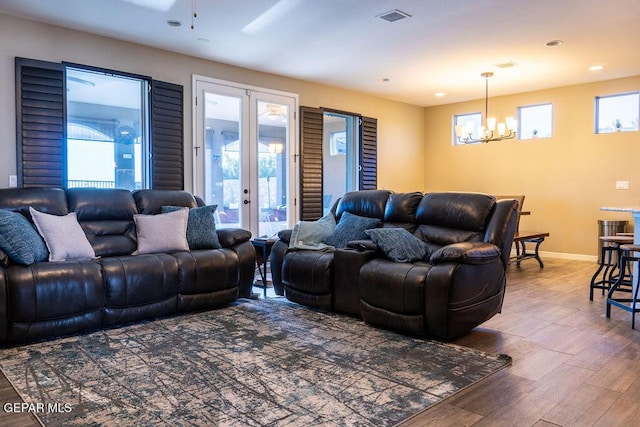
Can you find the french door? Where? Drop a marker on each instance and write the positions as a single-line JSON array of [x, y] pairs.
[[243, 155]]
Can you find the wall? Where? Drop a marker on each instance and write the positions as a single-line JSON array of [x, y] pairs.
[[566, 178], [400, 126]]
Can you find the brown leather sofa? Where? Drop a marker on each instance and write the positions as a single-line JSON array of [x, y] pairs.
[[457, 288], [48, 299]]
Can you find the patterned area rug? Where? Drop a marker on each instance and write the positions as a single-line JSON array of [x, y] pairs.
[[254, 363]]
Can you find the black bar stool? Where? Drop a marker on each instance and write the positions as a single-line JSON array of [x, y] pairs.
[[628, 304], [610, 267]]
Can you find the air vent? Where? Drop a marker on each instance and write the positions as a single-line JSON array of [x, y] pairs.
[[394, 15], [506, 64]]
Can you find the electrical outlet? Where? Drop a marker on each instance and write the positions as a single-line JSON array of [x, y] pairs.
[[13, 181], [622, 185]]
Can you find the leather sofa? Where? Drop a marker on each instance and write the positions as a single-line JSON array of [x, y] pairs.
[[47, 299], [458, 287]]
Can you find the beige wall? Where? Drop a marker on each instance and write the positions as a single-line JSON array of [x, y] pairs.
[[400, 126], [566, 178]]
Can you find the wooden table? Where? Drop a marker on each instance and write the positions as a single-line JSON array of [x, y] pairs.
[[521, 238]]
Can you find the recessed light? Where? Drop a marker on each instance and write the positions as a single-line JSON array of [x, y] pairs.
[[596, 67], [553, 43], [174, 23], [440, 94]]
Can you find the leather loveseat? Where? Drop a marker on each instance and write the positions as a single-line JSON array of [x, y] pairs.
[[52, 298], [458, 286]]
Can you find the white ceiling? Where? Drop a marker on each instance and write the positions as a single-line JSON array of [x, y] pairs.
[[443, 47]]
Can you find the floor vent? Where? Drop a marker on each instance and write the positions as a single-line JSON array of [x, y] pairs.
[[394, 15]]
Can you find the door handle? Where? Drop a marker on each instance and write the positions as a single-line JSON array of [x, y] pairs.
[[246, 202]]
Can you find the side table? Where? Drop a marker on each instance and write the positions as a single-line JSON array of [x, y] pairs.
[[263, 250]]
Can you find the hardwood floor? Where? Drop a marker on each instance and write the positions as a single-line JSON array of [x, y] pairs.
[[571, 365]]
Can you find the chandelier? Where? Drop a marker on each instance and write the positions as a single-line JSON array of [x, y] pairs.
[[486, 132]]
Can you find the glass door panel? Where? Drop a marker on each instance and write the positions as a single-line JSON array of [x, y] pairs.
[[273, 140], [222, 156]]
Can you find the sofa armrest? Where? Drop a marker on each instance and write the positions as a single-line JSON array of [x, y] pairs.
[[466, 253], [285, 235], [230, 237], [363, 245]]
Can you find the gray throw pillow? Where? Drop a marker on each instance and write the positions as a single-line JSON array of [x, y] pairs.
[[201, 227], [161, 233], [311, 234], [351, 227], [20, 240], [63, 235], [399, 245]]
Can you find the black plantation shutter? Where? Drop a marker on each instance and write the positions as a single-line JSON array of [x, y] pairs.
[[167, 142], [40, 123], [311, 127], [368, 154]]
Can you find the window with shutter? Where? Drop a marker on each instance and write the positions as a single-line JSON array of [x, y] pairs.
[[43, 119], [312, 136]]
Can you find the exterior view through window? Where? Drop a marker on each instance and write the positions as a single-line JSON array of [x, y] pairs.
[[107, 130], [617, 113], [340, 157], [535, 121]]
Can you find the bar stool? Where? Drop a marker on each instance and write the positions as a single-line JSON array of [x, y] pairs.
[[628, 304], [610, 248]]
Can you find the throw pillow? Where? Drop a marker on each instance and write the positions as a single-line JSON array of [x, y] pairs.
[[351, 227], [63, 236], [20, 240], [201, 227], [311, 234], [165, 232], [398, 244]]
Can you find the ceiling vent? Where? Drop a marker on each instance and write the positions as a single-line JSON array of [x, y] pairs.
[[394, 15], [506, 64]]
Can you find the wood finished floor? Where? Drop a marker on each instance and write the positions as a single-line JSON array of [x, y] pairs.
[[571, 365]]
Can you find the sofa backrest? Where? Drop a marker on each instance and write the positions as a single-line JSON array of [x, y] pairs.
[[369, 203], [49, 200], [106, 216], [445, 218], [400, 210], [150, 202]]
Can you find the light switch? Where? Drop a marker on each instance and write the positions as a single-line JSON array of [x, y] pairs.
[[622, 185], [13, 180]]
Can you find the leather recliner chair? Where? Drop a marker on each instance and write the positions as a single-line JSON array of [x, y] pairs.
[[457, 288]]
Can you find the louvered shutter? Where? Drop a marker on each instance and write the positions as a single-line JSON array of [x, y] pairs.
[[167, 136], [40, 123], [311, 127], [368, 154]]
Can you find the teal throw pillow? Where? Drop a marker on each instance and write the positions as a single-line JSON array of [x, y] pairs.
[[20, 240], [399, 245], [351, 227], [311, 234], [201, 227]]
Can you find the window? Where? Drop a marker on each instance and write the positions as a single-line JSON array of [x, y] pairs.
[[316, 143], [107, 130], [468, 123], [535, 121], [61, 123], [617, 113]]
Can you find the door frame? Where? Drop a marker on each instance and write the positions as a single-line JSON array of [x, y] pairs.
[[292, 149]]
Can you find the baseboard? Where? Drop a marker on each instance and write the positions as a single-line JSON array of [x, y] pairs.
[[563, 255]]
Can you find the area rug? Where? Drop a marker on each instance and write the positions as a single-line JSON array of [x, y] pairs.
[[254, 363]]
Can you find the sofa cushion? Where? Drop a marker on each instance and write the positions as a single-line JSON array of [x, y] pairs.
[[311, 234], [63, 235], [150, 202], [351, 227], [162, 233], [398, 244], [369, 203], [201, 227], [20, 240]]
